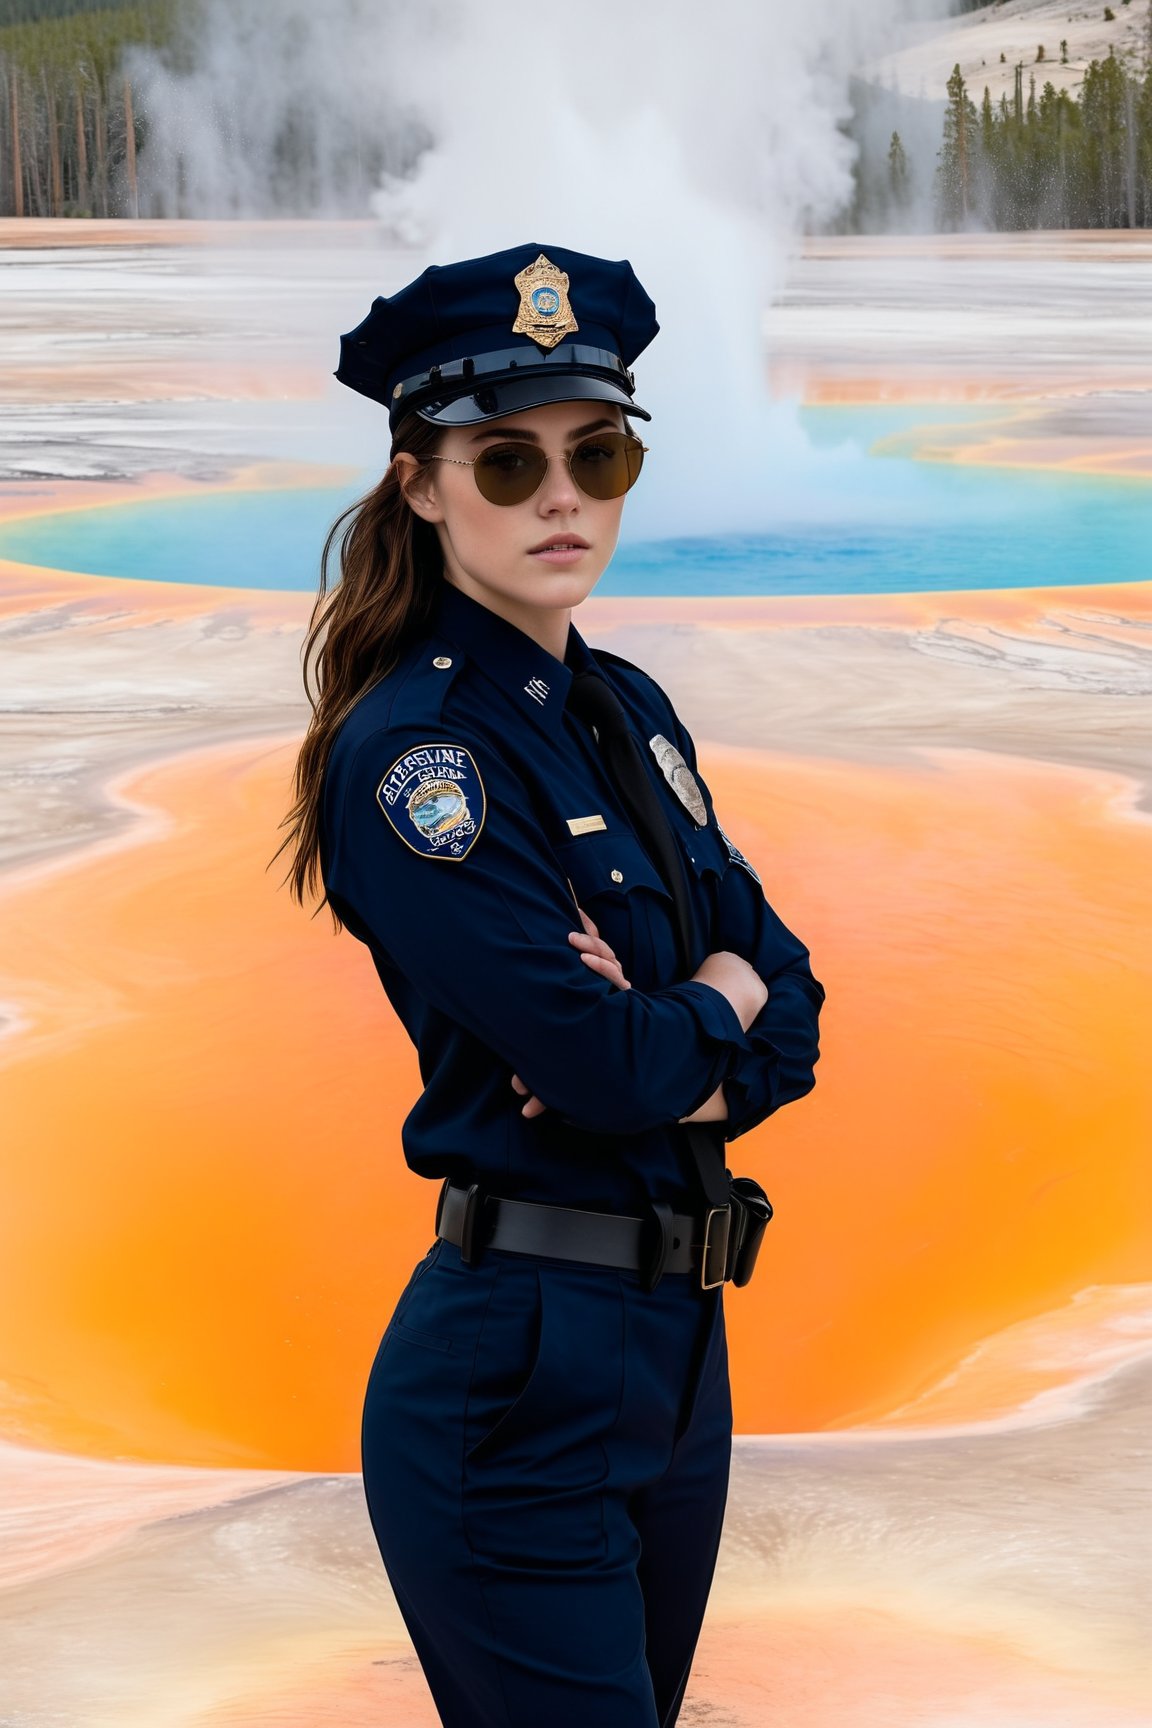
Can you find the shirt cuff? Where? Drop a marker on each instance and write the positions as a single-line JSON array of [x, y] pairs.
[[717, 1018], [750, 1089]]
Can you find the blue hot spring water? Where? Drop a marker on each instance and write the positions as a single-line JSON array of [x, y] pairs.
[[964, 526]]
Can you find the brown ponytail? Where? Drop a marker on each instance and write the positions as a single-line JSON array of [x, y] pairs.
[[390, 569]]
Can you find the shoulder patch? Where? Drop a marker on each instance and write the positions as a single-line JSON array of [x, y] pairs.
[[736, 855], [434, 798]]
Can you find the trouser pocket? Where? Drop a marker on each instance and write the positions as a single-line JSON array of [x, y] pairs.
[[507, 1358], [542, 1406], [421, 1267]]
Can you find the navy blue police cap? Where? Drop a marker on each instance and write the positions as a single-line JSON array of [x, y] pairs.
[[465, 342]]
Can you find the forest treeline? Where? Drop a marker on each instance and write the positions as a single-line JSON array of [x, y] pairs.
[[73, 137], [1051, 160], [70, 133]]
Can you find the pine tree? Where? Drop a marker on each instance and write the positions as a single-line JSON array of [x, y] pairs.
[[1144, 147], [898, 176], [1104, 110], [958, 156]]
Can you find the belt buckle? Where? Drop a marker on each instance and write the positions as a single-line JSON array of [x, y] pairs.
[[715, 1252]]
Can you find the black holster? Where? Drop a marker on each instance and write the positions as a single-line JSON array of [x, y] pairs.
[[751, 1210]]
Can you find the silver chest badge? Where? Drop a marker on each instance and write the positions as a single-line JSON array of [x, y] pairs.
[[680, 777]]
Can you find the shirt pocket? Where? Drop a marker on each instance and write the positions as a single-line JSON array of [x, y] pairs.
[[608, 866], [619, 888]]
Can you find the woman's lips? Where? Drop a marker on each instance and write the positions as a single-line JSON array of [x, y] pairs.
[[560, 554]]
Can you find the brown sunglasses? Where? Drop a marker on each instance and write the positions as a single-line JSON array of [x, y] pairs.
[[605, 466]]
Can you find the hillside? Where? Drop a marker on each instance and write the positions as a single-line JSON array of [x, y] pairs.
[[975, 41]]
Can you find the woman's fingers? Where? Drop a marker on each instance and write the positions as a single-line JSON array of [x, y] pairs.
[[591, 944], [596, 953], [533, 1107], [589, 927], [608, 967]]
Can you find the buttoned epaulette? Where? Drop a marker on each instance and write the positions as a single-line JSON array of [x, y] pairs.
[[413, 693], [433, 665], [411, 696]]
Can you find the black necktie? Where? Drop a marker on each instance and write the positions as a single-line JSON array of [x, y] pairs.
[[593, 700]]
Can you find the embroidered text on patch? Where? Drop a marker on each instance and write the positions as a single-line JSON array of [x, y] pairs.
[[434, 798]]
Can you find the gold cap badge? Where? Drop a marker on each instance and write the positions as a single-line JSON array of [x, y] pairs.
[[545, 313]]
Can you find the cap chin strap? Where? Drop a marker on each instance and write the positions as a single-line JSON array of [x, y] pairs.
[[482, 368], [507, 396]]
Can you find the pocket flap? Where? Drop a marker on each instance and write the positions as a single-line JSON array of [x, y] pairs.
[[608, 863], [705, 850]]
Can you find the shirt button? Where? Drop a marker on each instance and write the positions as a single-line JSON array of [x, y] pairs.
[[617, 876], [442, 661]]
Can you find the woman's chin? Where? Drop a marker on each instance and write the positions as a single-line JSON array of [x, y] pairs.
[[553, 588]]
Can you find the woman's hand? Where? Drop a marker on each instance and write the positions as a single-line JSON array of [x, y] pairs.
[[737, 980], [747, 993], [597, 953], [599, 957]]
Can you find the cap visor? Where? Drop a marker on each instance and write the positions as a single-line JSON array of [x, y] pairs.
[[508, 395]]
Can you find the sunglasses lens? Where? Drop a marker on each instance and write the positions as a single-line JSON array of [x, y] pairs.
[[509, 473], [608, 465]]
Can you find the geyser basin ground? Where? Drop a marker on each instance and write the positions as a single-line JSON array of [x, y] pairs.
[[942, 791]]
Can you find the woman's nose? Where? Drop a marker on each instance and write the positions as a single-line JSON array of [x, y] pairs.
[[559, 491]]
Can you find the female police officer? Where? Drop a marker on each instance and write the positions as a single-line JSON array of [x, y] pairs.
[[600, 994]]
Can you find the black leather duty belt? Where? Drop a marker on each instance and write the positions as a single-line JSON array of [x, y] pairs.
[[664, 1241]]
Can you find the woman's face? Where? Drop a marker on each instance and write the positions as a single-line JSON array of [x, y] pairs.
[[497, 553]]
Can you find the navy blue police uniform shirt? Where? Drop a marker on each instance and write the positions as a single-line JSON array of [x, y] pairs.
[[465, 815]]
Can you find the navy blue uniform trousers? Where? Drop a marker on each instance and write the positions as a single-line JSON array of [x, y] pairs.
[[545, 1452]]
